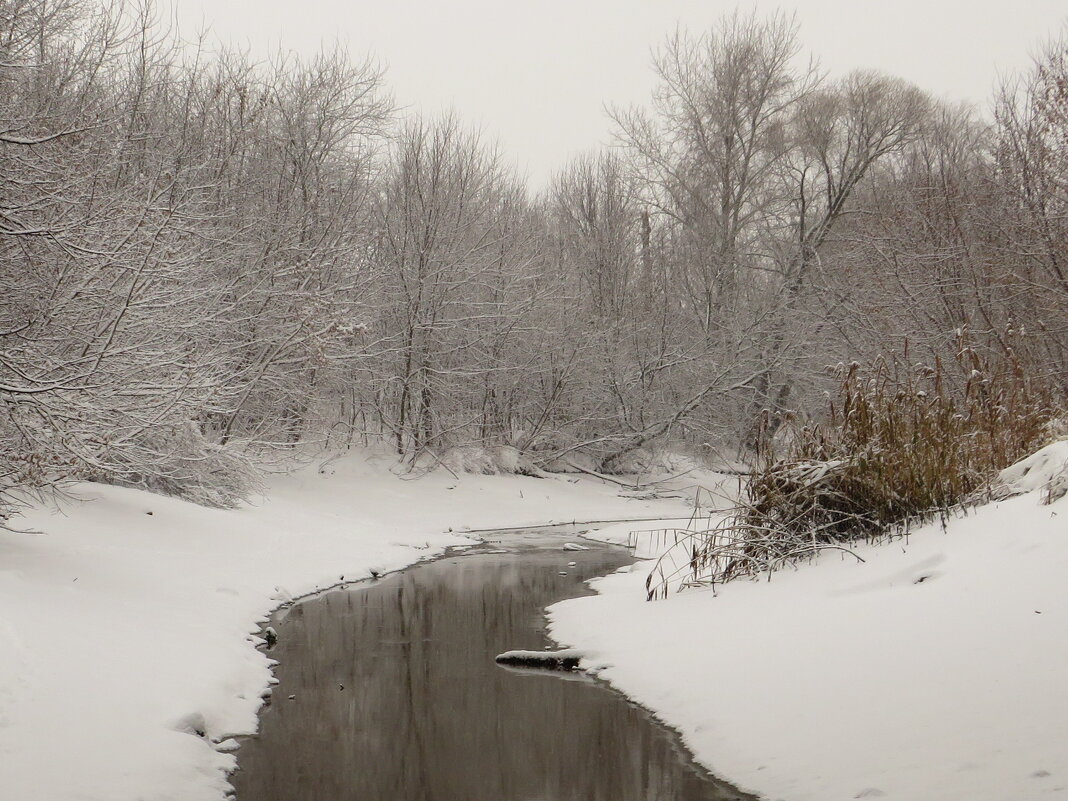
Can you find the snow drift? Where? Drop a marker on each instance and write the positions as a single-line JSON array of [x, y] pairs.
[[933, 671]]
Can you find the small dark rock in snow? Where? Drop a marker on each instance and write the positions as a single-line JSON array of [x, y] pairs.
[[270, 636], [566, 659], [374, 573]]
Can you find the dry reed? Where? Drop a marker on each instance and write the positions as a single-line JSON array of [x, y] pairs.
[[903, 444]]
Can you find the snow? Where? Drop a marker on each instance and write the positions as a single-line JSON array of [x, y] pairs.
[[1045, 470], [128, 626], [574, 546], [933, 671]]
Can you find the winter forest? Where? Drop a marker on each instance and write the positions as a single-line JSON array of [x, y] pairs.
[[209, 262]]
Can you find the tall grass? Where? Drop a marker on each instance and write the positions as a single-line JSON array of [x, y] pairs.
[[902, 443]]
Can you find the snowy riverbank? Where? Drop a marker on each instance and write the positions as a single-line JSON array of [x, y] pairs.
[[934, 671], [127, 620]]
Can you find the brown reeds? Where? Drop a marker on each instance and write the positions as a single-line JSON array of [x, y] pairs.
[[902, 444]]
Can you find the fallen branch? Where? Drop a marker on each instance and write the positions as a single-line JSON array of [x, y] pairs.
[[603, 477]]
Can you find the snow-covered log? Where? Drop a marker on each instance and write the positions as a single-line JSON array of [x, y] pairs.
[[565, 659]]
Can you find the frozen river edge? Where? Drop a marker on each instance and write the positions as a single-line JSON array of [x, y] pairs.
[[130, 619]]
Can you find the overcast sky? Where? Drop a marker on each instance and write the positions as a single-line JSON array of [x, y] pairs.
[[536, 75]]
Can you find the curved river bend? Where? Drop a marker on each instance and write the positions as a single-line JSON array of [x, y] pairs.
[[396, 696]]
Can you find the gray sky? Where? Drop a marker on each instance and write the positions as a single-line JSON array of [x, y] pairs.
[[536, 75]]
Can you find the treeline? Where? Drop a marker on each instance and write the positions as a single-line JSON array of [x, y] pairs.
[[204, 258]]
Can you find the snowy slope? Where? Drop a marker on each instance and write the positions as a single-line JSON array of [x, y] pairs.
[[124, 625], [935, 671]]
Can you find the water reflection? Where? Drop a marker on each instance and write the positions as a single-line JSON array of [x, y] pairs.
[[397, 698]]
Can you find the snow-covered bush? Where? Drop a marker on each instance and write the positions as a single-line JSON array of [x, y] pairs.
[[488, 460], [170, 459], [180, 461], [654, 460], [22, 465]]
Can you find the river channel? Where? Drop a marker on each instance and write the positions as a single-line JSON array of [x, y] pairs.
[[388, 691]]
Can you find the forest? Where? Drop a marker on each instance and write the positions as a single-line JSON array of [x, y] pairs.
[[209, 264]]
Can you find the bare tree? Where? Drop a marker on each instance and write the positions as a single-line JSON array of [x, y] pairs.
[[838, 134], [708, 152], [458, 255]]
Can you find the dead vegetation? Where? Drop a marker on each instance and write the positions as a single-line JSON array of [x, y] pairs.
[[902, 444]]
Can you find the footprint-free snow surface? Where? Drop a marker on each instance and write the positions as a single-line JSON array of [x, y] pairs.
[[389, 691]]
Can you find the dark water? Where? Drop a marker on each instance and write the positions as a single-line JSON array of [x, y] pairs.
[[398, 698]]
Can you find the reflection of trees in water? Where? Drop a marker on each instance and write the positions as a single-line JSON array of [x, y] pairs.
[[426, 715]]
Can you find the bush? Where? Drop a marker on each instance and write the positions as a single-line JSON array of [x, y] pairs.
[[902, 444], [489, 460], [173, 459], [178, 460]]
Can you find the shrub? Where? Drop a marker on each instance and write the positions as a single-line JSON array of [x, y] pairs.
[[178, 460], [490, 460], [901, 444]]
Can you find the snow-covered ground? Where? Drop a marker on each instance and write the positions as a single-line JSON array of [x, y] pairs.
[[126, 623], [937, 670]]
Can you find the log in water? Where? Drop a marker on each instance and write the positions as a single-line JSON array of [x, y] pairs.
[[396, 695]]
